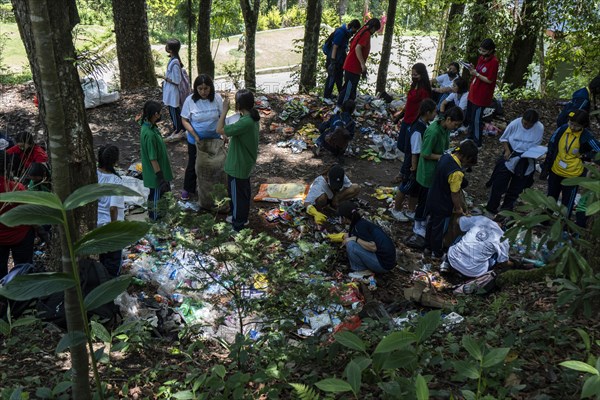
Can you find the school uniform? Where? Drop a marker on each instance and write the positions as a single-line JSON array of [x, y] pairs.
[[409, 183], [352, 68], [580, 100], [380, 261], [481, 95], [171, 93], [340, 38]]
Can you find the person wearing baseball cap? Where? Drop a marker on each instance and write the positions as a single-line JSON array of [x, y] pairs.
[[330, 188]]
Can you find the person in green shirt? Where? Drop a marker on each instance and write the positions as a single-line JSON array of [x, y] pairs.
[[156, 168], [242, 154], [436, 140]]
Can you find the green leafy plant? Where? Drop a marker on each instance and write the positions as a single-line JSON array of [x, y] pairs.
[[46, 208], [591, 386], [6, 327]]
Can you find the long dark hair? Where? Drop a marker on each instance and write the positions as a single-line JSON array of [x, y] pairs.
[[462, 86], [348, 209], [108, 156], [244, 100], [175, 45], [423, 82], [151, 107], [204, 79]]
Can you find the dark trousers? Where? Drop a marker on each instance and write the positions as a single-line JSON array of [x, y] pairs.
[[239, 193], [555, 188], [22, 252], [112, 262], [420, 210], [189, 179], [175, 114], [403, 137], [437, 226], [475, 122], [153, 198], [348, 91], [508, 184], [334, 79]]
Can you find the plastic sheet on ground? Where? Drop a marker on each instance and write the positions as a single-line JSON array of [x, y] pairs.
[[276, 192], [137, 185]]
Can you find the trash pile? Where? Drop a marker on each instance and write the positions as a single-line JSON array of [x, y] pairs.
[[295, 109]]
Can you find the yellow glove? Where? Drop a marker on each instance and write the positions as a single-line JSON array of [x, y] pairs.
[[320, 218], [336, 237]]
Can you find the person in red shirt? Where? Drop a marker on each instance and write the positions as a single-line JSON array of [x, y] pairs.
[[482, 88], [28, 152], [16, 239], [420, 89], [355, 65]]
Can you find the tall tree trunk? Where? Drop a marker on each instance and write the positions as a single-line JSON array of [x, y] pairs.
[[448, 48], [524, 45], [136, 66], [190, 24], [308, 70], [386, 51], [282, 5], [45, 28], [206, 64], [478, 31], [342, 8], [250, 9], [542, 62]]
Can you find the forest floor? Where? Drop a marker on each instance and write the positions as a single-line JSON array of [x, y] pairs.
[[522, 316]]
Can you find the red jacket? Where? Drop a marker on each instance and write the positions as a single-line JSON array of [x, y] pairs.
[[35, 154], [413, 102], [14, 235]]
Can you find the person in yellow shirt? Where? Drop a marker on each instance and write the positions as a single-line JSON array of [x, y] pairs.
[[445, 195], [569, 147]]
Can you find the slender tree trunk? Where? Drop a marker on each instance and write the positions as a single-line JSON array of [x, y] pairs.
[[342, 8], [386, 51], [478, 31], [190, 24], [136, 66], [45, 28], [250, 9], [308, 70], [282, 4], [524, 45], [448, 48], [542, 62], [206, 64]]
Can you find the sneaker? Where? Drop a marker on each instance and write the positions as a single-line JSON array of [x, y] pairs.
[[229, 220], [399, 215], [410, 215], [175, 137], [360, 274], [185, 195], [420, 231]]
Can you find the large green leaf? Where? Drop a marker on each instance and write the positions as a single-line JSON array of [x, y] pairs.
[[32, 214], [26, 197], [350, 340], [333, 385], [354, 376], [593, 208], [591, 387], [70, 339], [421, 388], [472, 347], [106, 292], [494, 356], [427, 325], [467, 368], [186, 394], [87, 194], [110, 237], [395, 341], [580, 366], [100, 332], [405, 359], [32, 286]]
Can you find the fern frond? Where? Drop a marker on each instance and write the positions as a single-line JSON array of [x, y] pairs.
[[305, 392]]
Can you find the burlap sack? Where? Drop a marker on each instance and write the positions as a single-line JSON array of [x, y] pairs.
[[210, 159]]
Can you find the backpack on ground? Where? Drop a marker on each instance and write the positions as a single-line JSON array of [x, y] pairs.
[[483, 284], [16, 308], [92, 274]]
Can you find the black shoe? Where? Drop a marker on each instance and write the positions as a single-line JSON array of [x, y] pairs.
[[416, 242]]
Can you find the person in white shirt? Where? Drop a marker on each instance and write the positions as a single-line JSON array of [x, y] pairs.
[[480, 248], [332, 187], [206, 152], [458, 97], [172, 79], [110, 208], [512, 173], [443, 83]]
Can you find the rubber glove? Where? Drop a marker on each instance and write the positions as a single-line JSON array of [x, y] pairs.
[[336, 237], [320, 218]]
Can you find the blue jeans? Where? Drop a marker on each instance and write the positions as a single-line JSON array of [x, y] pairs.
[[361, 259]]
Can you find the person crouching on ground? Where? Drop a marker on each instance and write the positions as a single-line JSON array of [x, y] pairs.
[[445, 195], [337, 142], [370, 250], [330, 188], [242, 155]]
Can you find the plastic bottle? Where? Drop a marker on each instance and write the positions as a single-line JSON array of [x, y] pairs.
[[372, 282]]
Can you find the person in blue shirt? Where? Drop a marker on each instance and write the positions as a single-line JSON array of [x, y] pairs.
[[370, 250], [580, 100], [341, 119], [336, 48]]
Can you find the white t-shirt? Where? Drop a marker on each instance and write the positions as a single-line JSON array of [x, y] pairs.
[[320, 186], [460, 102], [202, 114], [471, 256], [521, 140], [106, 202], [171, 90], [445, 81], [416, 140]]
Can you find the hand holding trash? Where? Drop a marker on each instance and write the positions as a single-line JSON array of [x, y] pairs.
[[319, 217], [336, 237]]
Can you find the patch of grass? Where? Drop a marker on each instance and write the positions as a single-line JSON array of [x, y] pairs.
[[16, 78]]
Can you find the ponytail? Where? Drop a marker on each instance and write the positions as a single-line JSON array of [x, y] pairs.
[[175, 45], [244, 100]]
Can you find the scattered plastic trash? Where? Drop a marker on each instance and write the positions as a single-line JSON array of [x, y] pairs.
[[96, 92], [294, 109], [451, 320], [297, 145]]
